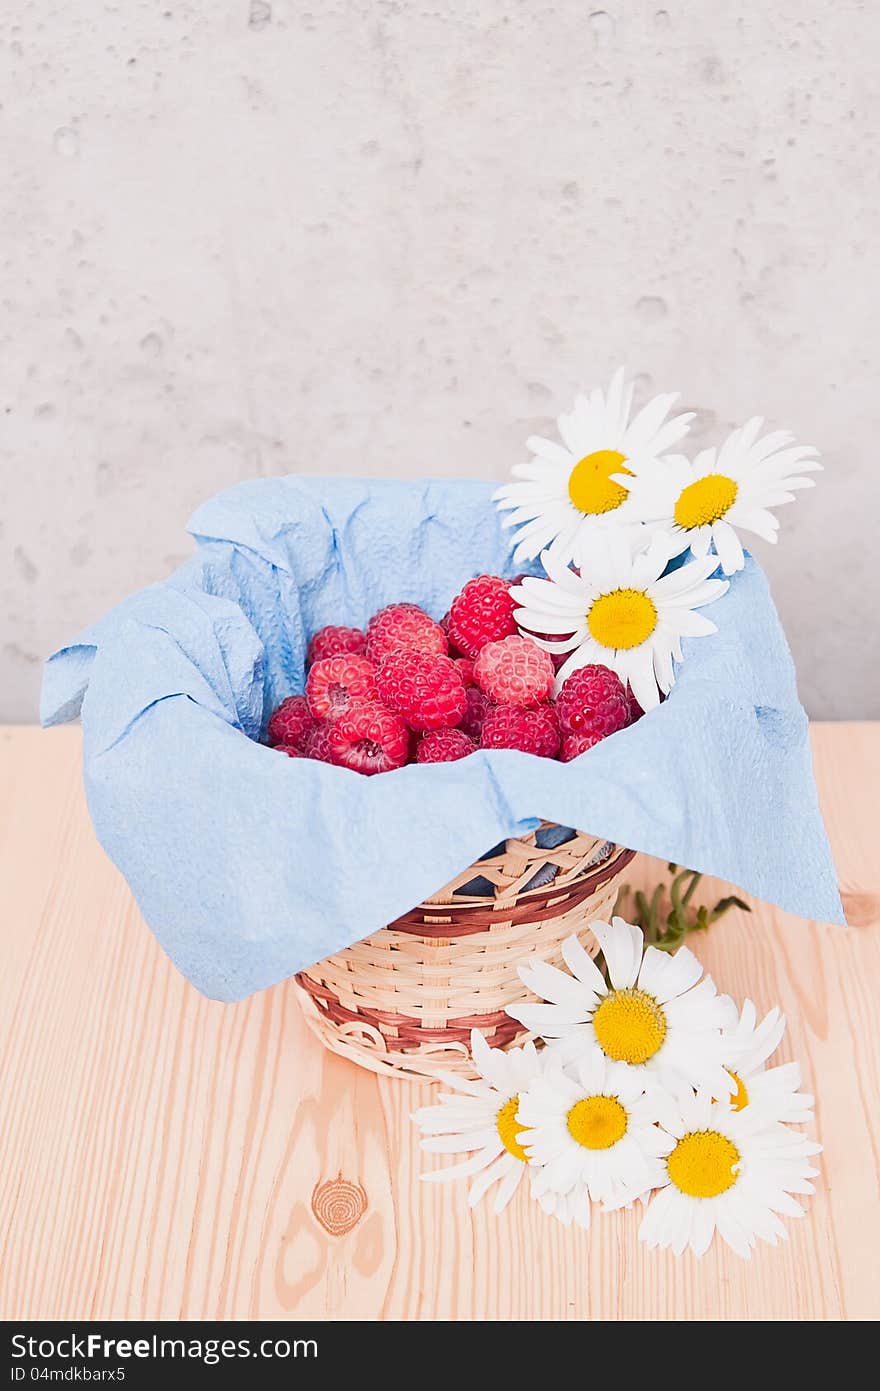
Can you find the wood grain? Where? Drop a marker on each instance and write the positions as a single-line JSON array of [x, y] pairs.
[[163, 1156]]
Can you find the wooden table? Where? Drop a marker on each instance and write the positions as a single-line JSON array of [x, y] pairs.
[[159, 1152]]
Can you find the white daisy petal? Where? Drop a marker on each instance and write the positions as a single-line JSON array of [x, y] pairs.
[[501, 1168], [664, 975], [728, 547], [470, 1166], [461, 1143], [582, 965], [544, 1020], [621, 945], [556, 986]]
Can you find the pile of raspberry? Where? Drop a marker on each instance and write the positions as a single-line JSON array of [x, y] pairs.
[[411, 690]]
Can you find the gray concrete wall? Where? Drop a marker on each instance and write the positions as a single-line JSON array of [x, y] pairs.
[[244, 237]]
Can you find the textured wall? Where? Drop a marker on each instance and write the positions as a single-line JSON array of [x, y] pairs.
[[254, 236]]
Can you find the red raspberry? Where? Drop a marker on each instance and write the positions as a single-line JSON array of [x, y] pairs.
[[403, 625], [592, 703], [481, 613], [424, 687], [333, 642], [291, 723], [368, 739], [317, 745], [515, 672], [290, 751], [513, 727], [466, 667], [573, 745], [337, 682], [444, 746], [476, 709]]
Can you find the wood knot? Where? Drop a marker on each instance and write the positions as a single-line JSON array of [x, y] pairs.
[[860, 910], [339, 1204]]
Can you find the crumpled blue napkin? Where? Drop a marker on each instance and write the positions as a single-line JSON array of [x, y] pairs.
[[249, 866]]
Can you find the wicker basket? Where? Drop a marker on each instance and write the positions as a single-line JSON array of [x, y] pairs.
[[403, 1002]]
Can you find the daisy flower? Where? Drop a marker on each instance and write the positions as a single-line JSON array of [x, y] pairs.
[[567, 494], [724, 491], [656, 1014], [624, 614], [728, 1171], [774, 1090], [592, 1133], [480, 1119]]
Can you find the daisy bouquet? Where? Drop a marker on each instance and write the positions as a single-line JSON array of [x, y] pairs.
[[647, 1087], [631, 536]]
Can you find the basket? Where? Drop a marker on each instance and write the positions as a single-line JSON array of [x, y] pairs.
[[404, 1001]]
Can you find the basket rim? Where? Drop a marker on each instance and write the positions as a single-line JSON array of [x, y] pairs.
[[464, 919]]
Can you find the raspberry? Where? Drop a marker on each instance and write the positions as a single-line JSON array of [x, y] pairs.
[[403, 625], [336, 682], [513, 727], [573, 745], [515, 672], [592, 703], [444, 746], [333, 642], [369, 739], [317, 745], [476, 709], [481, 613], [466, 667], [291, 723], [424, 687], [289, 750]]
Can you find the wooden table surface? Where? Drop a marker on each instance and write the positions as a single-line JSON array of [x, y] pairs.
[[159, 1152]]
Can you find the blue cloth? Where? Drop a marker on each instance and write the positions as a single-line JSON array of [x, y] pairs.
[[249, 866]]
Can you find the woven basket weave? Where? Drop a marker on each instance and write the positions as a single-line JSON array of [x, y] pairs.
[[404, 1001]]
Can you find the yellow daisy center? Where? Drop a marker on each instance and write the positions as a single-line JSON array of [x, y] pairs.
[[509, 1128], [630, 1026], [702, 1164], [589, 483], [705, 501], [597, 1122], [623, 618]]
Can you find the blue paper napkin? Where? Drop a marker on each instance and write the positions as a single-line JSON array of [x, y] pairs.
[[249, 866]]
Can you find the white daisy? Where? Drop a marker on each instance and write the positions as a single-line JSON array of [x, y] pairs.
[[730, 1172], [566, 494], [656, 1014], [624, 614], [593, 1133], [724, 491], [480, 1118], [774, 1090]]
